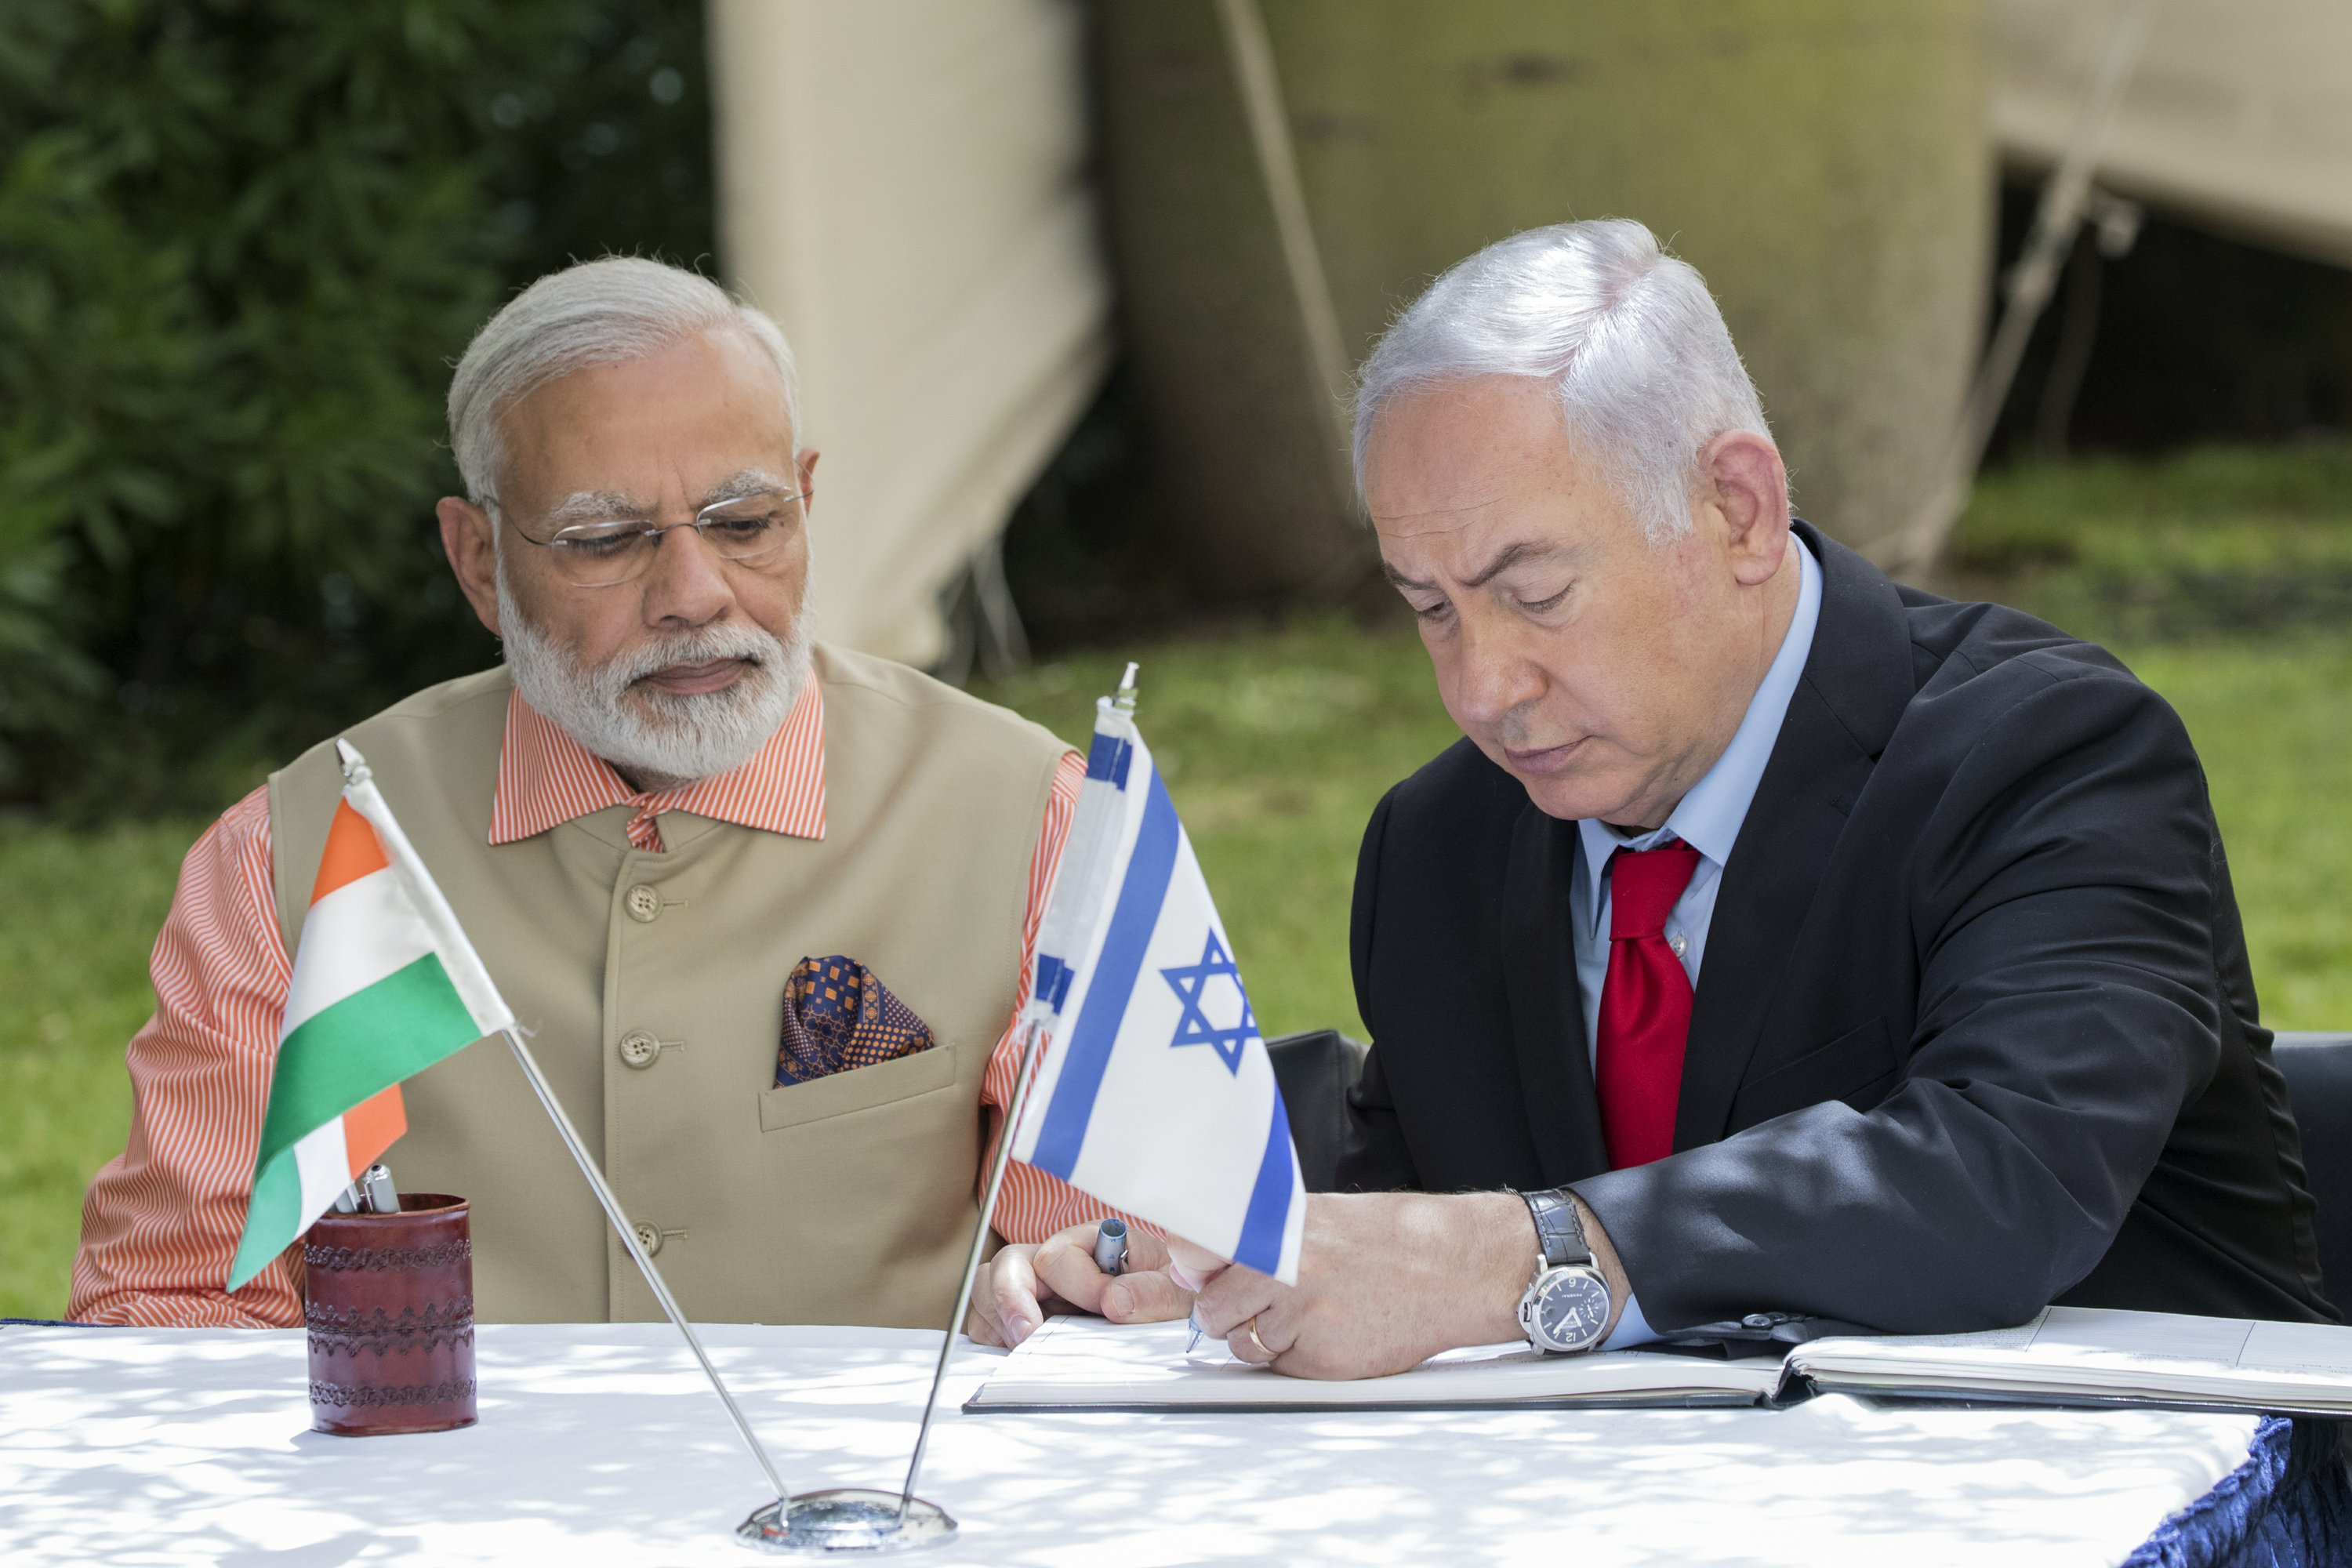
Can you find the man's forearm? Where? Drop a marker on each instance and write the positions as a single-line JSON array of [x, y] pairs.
[[1486, 1252], [135, 1309], [160, 1221], [1483, 1249]]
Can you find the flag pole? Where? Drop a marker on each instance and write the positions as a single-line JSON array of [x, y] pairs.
[[612, 1204], [812, 1522], [996, 1167], [1124, 701]]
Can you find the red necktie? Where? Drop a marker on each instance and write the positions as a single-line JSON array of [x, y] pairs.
[[1646, 1006]]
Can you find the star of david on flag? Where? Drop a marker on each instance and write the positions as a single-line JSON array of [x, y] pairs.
[[1192, 983], [1135, 975]]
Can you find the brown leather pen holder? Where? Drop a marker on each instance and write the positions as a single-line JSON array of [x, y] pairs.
[[389, 1302]]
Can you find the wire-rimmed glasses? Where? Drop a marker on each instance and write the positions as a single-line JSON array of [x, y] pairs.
[[747, 530]]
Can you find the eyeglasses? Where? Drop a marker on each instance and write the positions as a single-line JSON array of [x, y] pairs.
[[749, 530]]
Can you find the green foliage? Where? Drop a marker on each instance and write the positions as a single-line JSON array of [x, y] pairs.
[[240, 242]]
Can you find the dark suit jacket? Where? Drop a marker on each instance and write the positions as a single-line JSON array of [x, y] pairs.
[[1975, 1031]]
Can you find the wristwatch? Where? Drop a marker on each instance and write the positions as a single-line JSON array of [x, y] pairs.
[[1566, 1307]]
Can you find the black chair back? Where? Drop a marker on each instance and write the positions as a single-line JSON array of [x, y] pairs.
[[2319, 1070], [1315, 1072]]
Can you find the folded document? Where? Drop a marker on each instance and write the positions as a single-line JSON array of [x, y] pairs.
[[2065, 1356]]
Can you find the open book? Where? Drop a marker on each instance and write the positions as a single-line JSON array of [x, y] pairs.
[[1085, 1362], [2084, 1355], [2065, 1356]]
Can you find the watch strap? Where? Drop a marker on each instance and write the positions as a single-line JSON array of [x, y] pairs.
[[1558, 1230]]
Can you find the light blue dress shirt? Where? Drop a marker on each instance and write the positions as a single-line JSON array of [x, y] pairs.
[[1709, 821]]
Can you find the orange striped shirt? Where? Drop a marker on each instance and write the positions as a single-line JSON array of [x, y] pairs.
[[161, 1222]]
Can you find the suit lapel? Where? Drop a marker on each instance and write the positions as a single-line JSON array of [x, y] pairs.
[[1856, 684], [1563, 1115], [1768, 886]]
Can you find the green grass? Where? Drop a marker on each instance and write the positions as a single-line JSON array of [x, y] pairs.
[[2224, 541], [81, 915], [2223, 577], [2273, 724]]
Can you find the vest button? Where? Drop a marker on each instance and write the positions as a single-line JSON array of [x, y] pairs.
[[643, 904], [648, 1236], [638, 1049]]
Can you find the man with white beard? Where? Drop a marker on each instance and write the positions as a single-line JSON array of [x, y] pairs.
[[766, 906]]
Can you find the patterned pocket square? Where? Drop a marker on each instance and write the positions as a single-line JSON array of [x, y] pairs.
[[839, 1016]]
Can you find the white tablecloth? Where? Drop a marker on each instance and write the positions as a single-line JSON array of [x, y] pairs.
[[601, 1444]]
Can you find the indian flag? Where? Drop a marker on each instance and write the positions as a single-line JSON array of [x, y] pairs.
[[386, 985]]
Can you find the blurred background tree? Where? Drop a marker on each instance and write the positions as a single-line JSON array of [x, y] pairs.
[[241, 242]]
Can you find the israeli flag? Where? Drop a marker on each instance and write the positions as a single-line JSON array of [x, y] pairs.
[[1156, 1093]]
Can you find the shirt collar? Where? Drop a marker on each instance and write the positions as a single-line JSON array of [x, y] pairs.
[[546, 778], [1708, 817]]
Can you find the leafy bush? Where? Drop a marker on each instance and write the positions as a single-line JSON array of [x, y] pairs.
[[241, 242]]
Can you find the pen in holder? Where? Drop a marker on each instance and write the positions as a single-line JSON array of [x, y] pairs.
[[389, 1302]]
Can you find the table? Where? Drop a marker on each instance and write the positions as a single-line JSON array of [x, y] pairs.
[[600, 1445]]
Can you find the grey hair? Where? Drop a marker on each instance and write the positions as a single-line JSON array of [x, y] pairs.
[[592, 313], [1645, 368]]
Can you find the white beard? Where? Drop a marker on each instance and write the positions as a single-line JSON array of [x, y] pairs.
[[660, 738]]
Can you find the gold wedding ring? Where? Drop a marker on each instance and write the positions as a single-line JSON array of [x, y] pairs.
[[1249, 1329]]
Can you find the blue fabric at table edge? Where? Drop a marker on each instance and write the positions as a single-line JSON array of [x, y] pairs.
[[2288, 1506]]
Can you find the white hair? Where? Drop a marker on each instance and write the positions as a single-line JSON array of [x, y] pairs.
[[592, 313], [1645, 368]]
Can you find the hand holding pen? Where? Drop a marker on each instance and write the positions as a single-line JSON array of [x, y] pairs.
[[1111, 1246], [1114, 1269]]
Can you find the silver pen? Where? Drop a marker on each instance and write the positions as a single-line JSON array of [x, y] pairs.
[[1110, 1246], [379, 1196]]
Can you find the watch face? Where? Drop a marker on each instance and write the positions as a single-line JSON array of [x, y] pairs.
[[1571, 1308]]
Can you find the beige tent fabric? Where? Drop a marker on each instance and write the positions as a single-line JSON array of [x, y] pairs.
[[902, 185], [2239, 114]]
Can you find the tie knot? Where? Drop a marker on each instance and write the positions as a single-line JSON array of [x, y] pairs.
[[1643, 886]]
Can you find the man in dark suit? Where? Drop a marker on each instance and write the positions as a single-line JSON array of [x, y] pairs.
[[1798, 944], [1779, 943]]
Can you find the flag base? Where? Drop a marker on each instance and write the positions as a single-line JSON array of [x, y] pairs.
[[849, 1519]]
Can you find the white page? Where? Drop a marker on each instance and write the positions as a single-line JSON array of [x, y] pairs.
[[2298, 1347], [2170, 1335], [2014, 1339]]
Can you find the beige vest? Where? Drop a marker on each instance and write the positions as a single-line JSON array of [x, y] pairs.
[[846, 1200]]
